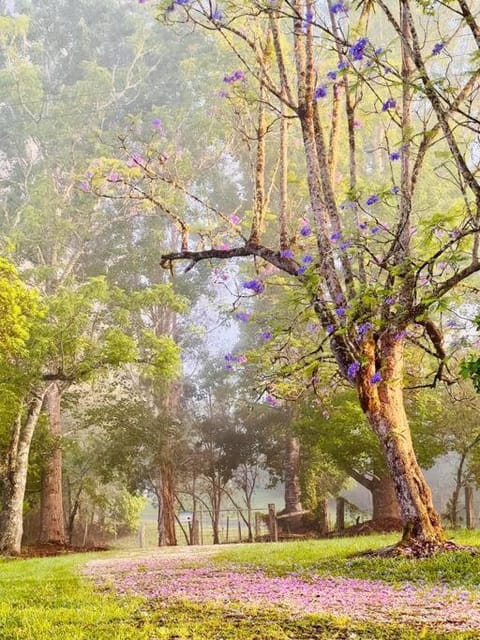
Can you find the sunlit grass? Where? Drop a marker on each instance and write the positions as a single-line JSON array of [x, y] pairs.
[[48, 599], [338, 557]]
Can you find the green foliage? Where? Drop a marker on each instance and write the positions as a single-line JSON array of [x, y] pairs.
[[19, 307]]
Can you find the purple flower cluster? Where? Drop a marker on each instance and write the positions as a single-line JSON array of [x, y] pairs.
[[353, 369], [389, 104], [373, 199], [357, 50], [320, 92], [286, 253], [234, 77], [254, 285], [243, 316]]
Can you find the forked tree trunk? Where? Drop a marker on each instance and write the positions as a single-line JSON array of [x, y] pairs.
[[384, 499], [384, 407], [11, 515], [52, 525]]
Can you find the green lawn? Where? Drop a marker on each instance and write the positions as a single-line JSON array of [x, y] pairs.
[[46, 598], [335, 557]]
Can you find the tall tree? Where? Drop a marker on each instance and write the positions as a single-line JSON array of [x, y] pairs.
[[381, 265]]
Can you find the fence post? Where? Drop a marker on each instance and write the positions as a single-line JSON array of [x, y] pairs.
[[228, 526], [239, 527], [272, 523], [257, 525], [141, 535]]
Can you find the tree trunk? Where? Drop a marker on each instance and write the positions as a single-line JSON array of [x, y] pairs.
[[11, 516], [469, 512], [384, 499], [384, 407], [168, 499], [293, 501], [52, 525]]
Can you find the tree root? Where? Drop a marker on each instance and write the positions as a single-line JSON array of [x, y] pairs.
[[416, 549]]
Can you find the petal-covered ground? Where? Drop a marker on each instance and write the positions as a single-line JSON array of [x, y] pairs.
[[173, 577]]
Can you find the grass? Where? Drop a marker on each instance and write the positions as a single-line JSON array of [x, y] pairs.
[[336, 557], [47, 599]]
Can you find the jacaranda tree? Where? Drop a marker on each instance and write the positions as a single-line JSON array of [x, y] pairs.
[[364, 193]]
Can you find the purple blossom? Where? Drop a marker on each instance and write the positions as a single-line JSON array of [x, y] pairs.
[[271, 401], [400, 335], [254, 285], [379, 51], [234, 77], [234, 219], [341, 312], [373, 199], [229, 357], [84, 186], [395, 190], [243, 316], [389, 104], [395, 155], [286, 253], [182, 2], [320, 92], [437, 48], [375, 230], [266, 335], [341, 66], [312, 327], [330, 328], [390, 300], [345, 245], [353, 369], [307, 259], [376, 378], [113, 176], [305, 231], [364, 328], [338, 7], [301, 270], [217, 16], [332, 75], [336, 236], [135, 160], [363, 226], [157, 124], [357, 50]]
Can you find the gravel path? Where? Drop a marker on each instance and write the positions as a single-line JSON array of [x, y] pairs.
[[187, 573]]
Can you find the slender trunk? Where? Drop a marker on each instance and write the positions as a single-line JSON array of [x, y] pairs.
[[456, 492], [168, 500], [52, 526], [293, 501], [159, 492], [384, 499], [384, 408], [11, 516], [469, 512]]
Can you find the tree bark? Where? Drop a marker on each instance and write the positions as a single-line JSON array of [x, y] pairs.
[[384, 407], [293, 501], [11, 516], [384, 499], [52, 525]]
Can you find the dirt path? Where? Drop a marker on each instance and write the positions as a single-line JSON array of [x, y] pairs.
[[188, 573]]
